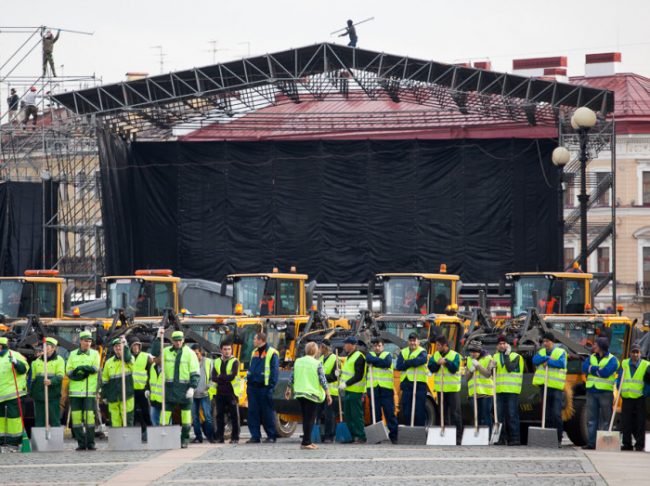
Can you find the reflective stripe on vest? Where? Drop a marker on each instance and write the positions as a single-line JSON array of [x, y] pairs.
[[267, 364], [382, 377], [633, 384], [451, 380], [140, 371], [235, 382], [328, 366], [210, 386], [305, 380], [605, 384], [88, 386], [188, 358], [508, 382], [348, 372], [155, 384], [556, 376], [422, 370], [484, 386]]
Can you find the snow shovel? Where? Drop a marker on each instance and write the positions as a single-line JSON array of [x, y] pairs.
[[541, 436], [411, 434], [607, 440], [441, 436], [343, 434], [25, 445], [477, 435], [496, 428], [46, 439], [161, 436], [375, 432], [125, 438]]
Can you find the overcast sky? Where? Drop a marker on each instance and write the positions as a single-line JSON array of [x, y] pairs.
[[446, 31]]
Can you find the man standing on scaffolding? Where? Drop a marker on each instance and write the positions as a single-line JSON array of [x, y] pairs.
[[48, 50]]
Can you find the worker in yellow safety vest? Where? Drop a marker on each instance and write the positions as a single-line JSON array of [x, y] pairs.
[[112, 384], [82, 368], [141, 364], [509, 377], [261, 379], [202, 401], [353, 384], [554, 359], [54, 382], [380, 363], [479, 380], [155, 384], [225, 374], [445, 365], [332, 370], [11, 425], [635, 373], [412, 365]]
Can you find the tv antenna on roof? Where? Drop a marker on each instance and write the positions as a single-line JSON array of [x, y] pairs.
[[161, 55]]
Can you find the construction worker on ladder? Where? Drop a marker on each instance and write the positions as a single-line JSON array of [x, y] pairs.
[[11, 426]]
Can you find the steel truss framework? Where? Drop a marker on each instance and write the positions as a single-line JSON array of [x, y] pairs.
[[152, 107]]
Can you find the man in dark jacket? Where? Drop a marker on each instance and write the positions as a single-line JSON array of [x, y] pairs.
[[13, 102], [332, 369], [353, 383], [226, 375], [261, 379]]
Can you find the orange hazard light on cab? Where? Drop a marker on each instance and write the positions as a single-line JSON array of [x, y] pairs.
[[443, 268], [157, 272], [239, 309], [41, 273]]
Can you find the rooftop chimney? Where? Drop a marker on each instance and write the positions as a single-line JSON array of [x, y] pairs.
[[540, 66], [603, 64], [487, 65], [134, 76]]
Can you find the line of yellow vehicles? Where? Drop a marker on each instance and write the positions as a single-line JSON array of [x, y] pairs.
[[284, 307]]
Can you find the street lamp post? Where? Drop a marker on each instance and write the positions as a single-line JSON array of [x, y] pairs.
[[560, 157], [583, 120]]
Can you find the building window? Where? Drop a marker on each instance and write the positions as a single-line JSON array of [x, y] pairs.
[[569, 256], [603, 199], [646, 270], [646, 188], [569, 191], [603, 259]]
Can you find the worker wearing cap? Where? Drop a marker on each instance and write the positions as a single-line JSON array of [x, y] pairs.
[[261, 379], [479, 381], [384, 385], [555, 359], [11, 425], [509, 377], [332, 369], [445, 364], [55, 374], [412, 363], [82, 369], [141, 364], [182, 373], [112, 383], [635, 373], [353, 383], [600, 369]]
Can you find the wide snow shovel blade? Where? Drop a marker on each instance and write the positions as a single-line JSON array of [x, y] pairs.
[[477, 435], [496, 433], [412, 435], [375, 432], [441, 436], [163, 438], [44, 440], [647, 443], [343, 434], [541, 436], [608, 440]]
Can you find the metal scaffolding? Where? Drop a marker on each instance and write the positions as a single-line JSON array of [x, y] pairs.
[[58, 147]]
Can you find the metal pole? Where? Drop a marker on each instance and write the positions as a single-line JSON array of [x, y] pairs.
[[583, 197], [613, 202], [560, 218]]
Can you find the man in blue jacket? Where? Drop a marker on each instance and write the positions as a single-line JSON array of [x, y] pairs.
[[600, 369], [412, 364], [382, 379], [261, 379]]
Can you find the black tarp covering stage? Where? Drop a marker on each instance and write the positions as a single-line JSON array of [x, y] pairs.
[[338, 210], [22, 207]]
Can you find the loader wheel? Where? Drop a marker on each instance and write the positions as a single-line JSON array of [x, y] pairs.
[[284, 428], [576, 427]]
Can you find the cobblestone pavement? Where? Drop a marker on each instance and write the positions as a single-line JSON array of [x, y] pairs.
[[284, 462]]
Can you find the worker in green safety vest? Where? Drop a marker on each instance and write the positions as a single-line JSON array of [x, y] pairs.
[[332, 370], [412, 365], [555, 358], [11, 425], [509, 377], [82, 368], [202, 400], [353, 384], [384, 385], [154, 393], [181, 378], [112, 384], [479, 380], [141, 365], [55, 374], [635, 373], [310, 388], [600, 369], [445, 365]]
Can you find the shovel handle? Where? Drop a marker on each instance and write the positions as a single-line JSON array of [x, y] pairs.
[[618, 396], [162, 372], [494, 395], [415, 384], [545, 394], [123, 387], [442, 400], [336, 364], [372, 396], [475, 403], [46, 388]]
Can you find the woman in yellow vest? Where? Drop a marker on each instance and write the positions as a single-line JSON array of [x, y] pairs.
[[55, 374], [332, 369], [635, 373], [310, 389], [11, 428], [479, 381], [353, 383]]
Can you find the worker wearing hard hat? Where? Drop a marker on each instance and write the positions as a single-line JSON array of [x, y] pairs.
[[445, 364], [509, 377], [82, 369], [555, 359], [13, 383], [53, 382], [112, 383], [181, 378], [635, 375], [412, 365]]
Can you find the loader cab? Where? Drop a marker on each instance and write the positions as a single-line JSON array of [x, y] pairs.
[[146, 294], [550, 292], [269, 294], [38, 292]]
